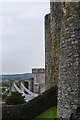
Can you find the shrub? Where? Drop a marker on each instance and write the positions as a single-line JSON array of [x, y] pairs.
[[4, 97], [15, 98], [5, 84]]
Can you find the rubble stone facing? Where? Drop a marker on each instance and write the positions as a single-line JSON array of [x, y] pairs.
[[55, 17], [48, 53], [68, 81], [52, 38], [65, 55]]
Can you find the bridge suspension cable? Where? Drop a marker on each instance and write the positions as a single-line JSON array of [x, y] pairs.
[[28, 91], [6, 91], [27, 96], [18, 89]]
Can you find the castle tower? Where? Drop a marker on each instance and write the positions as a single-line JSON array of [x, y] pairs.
[[55, 16], [62, 34], [52, 43], [48, 53], [69, 61]]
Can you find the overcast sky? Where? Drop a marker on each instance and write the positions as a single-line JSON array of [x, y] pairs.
[[23, 44]]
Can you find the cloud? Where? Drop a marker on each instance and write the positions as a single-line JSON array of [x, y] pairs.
[[24, 1], [23, 36]]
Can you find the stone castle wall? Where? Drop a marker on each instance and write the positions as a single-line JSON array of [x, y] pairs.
[[52, 41], [65, 55], [33, 108], [55, 16], [68, 81], [48, 53]]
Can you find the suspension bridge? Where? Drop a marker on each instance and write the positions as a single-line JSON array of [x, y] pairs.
[[29, 95]]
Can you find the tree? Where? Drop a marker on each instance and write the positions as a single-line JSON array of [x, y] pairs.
[[15, 98]]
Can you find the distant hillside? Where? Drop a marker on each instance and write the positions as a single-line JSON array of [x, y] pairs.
[[24, 76]]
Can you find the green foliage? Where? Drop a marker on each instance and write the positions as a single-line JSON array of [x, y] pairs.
[[5, 84], [3, 89], [49, 113], [0, 95], [4, 97], [15, 98], [0, 84]]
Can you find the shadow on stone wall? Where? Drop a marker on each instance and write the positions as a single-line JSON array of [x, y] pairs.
[[32, 108]]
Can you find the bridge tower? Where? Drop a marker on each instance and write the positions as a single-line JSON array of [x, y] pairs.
[[21, 88], [12, 89]]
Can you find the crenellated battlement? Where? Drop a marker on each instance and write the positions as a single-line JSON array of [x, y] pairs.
[[38, 70]]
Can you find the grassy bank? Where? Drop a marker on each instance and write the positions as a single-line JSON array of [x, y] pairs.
[[49, 113]]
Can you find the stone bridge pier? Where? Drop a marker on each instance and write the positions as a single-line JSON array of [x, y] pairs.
[[31, 84], [12, 89], [21, 88]]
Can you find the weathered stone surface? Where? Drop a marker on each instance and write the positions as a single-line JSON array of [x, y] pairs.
[[68, 82], [48, 53], [52, 38], [63, 37], [75, 115], [55, 15], [39, 80]]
